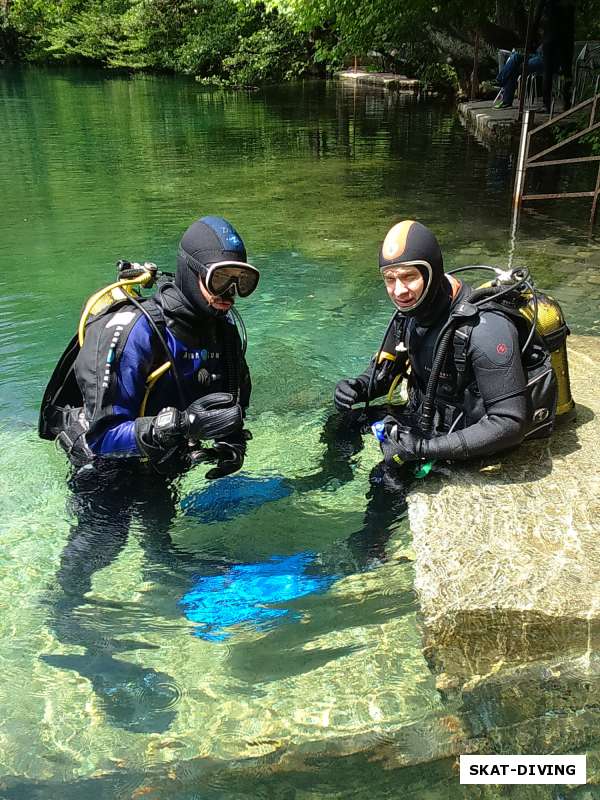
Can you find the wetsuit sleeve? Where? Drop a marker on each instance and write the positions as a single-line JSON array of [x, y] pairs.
[[497, 367], [112, 377]]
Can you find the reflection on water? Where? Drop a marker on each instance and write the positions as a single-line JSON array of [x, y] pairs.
[[252, 594], [297, 575]]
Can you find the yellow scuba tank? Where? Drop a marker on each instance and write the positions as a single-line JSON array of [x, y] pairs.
[[551, 326]]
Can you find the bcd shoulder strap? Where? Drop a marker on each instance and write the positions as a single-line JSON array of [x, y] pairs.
[[155, 311], [462, 338], [463, 331]]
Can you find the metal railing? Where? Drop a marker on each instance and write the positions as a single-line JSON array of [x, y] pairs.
[[527, 161]]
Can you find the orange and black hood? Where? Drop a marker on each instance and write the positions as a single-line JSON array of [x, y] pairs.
[[409, 243]]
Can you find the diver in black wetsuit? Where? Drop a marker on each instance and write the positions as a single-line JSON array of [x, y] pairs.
[[480, 404], [155, 387]]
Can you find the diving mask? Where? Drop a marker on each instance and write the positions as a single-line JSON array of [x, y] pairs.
[[227, 277]]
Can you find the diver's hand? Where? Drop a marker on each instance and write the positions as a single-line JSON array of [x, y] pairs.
[[400, 444], [230, 456], [160, 439], [347, 392], [162, 433], [214, 416]]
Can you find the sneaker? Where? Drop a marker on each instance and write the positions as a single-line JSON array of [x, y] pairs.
[[501, 104]]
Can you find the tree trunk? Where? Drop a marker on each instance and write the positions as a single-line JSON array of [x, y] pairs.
[[475, 73]]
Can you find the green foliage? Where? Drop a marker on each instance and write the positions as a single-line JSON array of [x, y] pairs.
[[269, 54], [225, 40], [441, 78], [243, 42], [587, 20], [94, 34], [230, 42], [586, 145]]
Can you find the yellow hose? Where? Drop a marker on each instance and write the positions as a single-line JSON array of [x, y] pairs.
[[392, 389], [150, 381], [142, 280]]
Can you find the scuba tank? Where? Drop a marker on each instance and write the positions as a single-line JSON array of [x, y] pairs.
[[550, 324], [62, 394], [513, 293]]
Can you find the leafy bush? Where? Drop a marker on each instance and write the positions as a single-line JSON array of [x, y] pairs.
[[440, 78], [232, 41], [274, 53]]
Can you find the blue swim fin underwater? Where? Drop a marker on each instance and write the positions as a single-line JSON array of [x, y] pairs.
[[229, 497], [247, 593]]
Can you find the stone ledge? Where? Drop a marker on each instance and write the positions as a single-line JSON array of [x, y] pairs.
[[388, 80], [507, 561], [494, 125]]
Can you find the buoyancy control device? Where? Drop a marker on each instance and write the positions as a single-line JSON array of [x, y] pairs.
[[62, 394]]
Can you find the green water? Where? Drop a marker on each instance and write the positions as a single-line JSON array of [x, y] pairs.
[[94, 168]]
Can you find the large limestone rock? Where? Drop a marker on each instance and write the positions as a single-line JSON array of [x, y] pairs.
[[508, 577]]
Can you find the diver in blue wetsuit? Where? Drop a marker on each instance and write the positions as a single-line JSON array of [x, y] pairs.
[[152, 379], [151, 387]]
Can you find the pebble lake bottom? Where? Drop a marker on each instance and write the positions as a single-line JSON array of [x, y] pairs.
[[299, 670]]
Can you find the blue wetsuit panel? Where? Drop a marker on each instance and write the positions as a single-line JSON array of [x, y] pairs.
[[128, 386]]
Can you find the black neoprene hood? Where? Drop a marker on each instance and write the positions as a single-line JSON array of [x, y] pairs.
[[207, 241]]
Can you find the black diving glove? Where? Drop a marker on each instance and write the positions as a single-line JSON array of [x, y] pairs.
[[210, 417], [214, 417], [400, 444], [349, 391], [229, 455]]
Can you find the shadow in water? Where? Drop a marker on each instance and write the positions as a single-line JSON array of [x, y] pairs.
[[359, 776], [534, 460], [264, 656]]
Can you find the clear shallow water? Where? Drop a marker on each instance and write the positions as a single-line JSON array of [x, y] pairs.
[[123, 695]]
